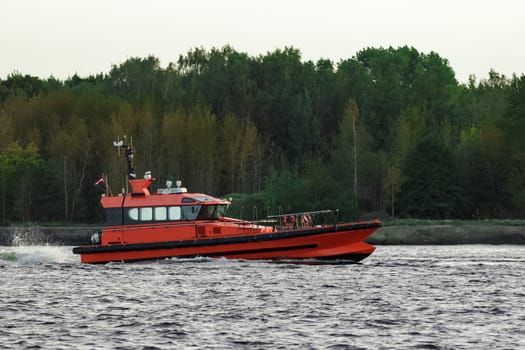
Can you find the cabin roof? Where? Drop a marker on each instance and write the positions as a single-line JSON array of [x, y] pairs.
[[145, 200]]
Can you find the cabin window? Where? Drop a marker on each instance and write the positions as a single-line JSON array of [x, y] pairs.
[[146, 214], [113, 216], [221, 211], [133, 214], [206, 212], [174, 213], [203, 199], [190, 212], [160, 213], [212, 212]]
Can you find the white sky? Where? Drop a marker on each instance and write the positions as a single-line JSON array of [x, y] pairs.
[[64, 37]]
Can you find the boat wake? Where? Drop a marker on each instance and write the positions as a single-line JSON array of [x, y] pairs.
[[27, 245], [34, 254]]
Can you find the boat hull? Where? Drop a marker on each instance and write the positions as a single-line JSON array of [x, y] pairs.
[[327, 242]]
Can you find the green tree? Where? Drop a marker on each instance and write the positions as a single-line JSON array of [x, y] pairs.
[[137, 80], [71, 147], [350, 148], [241, 155], [17, 84], [392, 185], [190, 150], [19, 170], [7, 129], [431, 188], [513, 127]]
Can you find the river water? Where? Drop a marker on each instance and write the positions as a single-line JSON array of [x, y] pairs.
[[401, 297]]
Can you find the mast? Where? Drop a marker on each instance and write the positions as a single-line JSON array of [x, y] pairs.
[[128, 153]]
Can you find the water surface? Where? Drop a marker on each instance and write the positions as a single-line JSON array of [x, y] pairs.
[[401, 297]]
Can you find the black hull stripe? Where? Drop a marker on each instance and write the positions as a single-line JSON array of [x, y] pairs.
[[352, 256], [222, 241]]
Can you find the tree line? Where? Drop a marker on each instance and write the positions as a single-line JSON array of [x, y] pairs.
[[388, 131]]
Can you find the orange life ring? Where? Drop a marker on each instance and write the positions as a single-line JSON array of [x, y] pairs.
[[306, 220], [289, 220]]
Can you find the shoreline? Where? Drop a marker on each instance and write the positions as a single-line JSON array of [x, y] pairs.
[[448, 234], [390, 234]]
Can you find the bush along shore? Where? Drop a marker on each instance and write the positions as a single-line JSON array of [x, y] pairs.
[[417, 232]]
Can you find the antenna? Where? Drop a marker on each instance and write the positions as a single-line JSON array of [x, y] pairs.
[[118, 144]]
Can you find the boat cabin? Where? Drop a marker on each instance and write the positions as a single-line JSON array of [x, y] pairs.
[[167, 205]]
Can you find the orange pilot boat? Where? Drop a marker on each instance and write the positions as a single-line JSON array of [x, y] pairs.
[[172, 222]]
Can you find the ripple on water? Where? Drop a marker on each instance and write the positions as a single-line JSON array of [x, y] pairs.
[[401, 297]]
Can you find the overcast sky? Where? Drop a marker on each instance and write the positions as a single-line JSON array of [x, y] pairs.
[[64, 37]]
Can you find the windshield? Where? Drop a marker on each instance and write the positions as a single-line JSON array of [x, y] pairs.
[[209, 212]]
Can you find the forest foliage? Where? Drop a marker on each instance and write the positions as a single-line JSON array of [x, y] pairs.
[[388, 131]]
